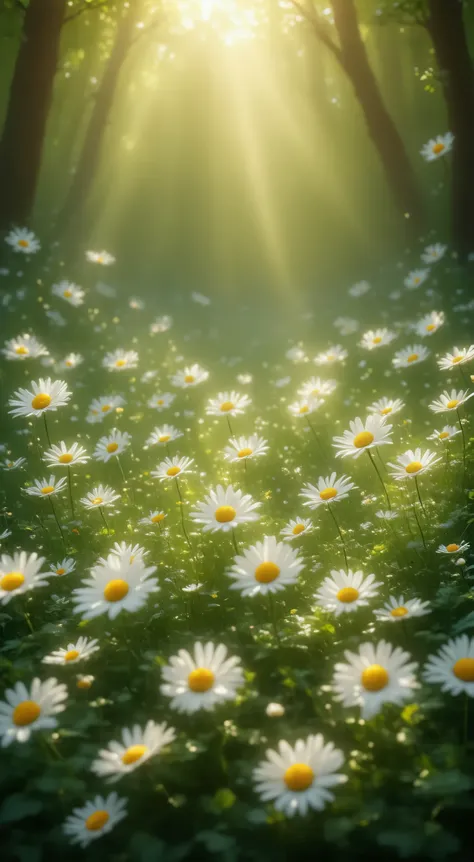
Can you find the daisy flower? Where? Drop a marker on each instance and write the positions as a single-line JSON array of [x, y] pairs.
[[101, 495], [71, 293], [333, 354], [22, 240], [125, 552], [346, 325], [64, 567], [446, 434], [315, 388], [416, 278], [386, 515], [227, 403], [101, 257], [153, 518], [171, 468], [74, 652], [112, 445], [84, 681], [429, 324], [72, 360], [12, 465], [397, 609], [305, 407], [189, 376], [20, 573], [437, 147], [376, 338], [24, 711], [458, 357], [46, 487], [64, 456], [386, 406], [265, 567], [375, 675], [296, 527], [453, 548], [137, 746], [44, 395], [161, 324], [410, 356], [115, 584], [297, 778], [453, 666], [344, 591], [23, 347], [101, 407], [243, 448], [413, 463], [161, 401], [328, 490], [95, 818], [433, 253], [450, 400], [202, 679], [295, 354], [363, 435], [163, 435], [120, 360], [225, 508], [359, 288]]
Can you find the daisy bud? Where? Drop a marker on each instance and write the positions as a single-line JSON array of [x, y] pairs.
[[275, 710], [461, 561]]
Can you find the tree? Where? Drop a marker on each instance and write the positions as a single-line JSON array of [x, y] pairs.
[[350, 53]]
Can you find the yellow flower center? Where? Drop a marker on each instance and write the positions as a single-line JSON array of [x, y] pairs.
[[244, 453], [201, 679], [399, 612], [189, 378], [416, 280], [298, 528], [134, 753], [12, 581], [452, 404], [464, 669], [385, 411], [226, 406], [157, 518], [60, 571], [348, 595], [224, 514], [266, 572], [438, 148], [160, 402], [328, 494], [21, 350], [120, 363], [48, 489], [413, 357], [112, 447], [414, 467], [377, 339], [330, 357], [26, 713], [456, 359], [364, 438], [97, 820], [66, 458], [83, 683], [71, 655], [173, 471], [304, 408], [452, 548], [106, 408], [41, 401], [69, 362], [23, 243], [116, 590], [430, 327], [298, 777], [164, 438], [374, 677], [97, 501], [443, 434], [67, 293]]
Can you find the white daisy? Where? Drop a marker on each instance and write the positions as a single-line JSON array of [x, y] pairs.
[[413, 463], [101, 257], [22, 240], [333, 354], [71, 293], [227, 404], [453, 548], [416, 278], [296, 527], [265, 567], [161, 324], [448, 401], [386, 515], [126, 552], [344, 591], [84, 681], [328, 490], [374, 338], [297, 778], [453, 666], [445, 435], [362, 436], [44, 395], [101, 495], [120, 360], [74, 652], [72, 360], [155, 517], [46, 487], [64, 567], [305, 406], [433, 253], [225, 508], [201, 680], [20, 573], [115, 584], [375, 675], [137, 746], [65, 456], [315, 388], [397, 609], [410, 356], [94, 819], [101, 407], [359, 288], [163, 435], [295, 354], [12, 465], [24, 711], [437, 147], [346, 325], [171, 468], [25, 346], [429, 324], [161, 401], [189, 376], [243, 448], [112, 445], [386, 406], [459, 356]]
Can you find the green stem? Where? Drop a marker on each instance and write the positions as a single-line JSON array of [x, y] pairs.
[[329, 508], [46, 429], [103, 518], [369, 453], [56, 518], [69, 477]]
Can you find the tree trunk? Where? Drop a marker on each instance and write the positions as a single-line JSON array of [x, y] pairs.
[[446, 27], [89, 157], [382, 129], [28, 106]]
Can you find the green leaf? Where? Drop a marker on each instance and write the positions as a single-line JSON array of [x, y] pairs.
[[18, 806], [405, 843], [146, 848], [466, 622], [224, 798], [216, 842], [442, 783]]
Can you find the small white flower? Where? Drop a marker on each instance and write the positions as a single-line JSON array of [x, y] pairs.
[[171, 468], [359, 288], [74, 652], [433, 253], [386, 515], [137, 746], [397, 609], [410, 356], [375, 675], [459, 356], [225, 508], [64, 567], [315, 388], [333, 354], [20, 573], [72, 360], [12, 465], [120, 360], [101, 495], [386, 406], [305, 407], [453, 548], [416, 278], [155, 517], [112, 445], [192, 375], [161, 324], [202, 679], [161, 401], [275, 710], [24, 711], [243, 448], [429, 324], [101, 407], [22, 240], [413, 463], [69, 292], [362, 435], [328, 490], [64, 455], [200, 298], [23, 347], [344, 592], [437, 147], [101, 257], [346, 325], [115, 584], [44, 395], [295, 354], [374, 338], [163, 435], [445, 435], [95, 818], [450, 400], [296, 527], [46, 487], [227, 404], [453, 666], [267, 566]]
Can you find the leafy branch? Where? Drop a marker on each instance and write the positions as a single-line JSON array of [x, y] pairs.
[[86, 7]]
